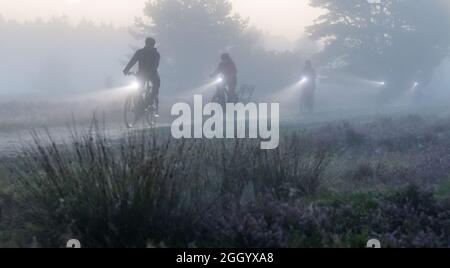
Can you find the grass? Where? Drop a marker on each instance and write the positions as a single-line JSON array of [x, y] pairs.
[[334, 185], [443, 190]]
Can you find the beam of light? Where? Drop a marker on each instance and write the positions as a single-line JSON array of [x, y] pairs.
[[135, 85], [415, 86], [354, 80], [199, 90], [219, 80], [374, 83], [288, 94], [210, 86], [303, 80], [108, 94]]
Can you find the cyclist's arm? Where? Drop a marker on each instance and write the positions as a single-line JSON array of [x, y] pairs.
[[217, 71], [132, 62], [158, 59]]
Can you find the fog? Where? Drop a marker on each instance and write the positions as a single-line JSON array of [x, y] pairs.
[[59, 62], [43, 59], [345, 138]]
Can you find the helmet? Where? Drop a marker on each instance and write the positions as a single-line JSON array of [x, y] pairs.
[[150, 42], [225, 56]]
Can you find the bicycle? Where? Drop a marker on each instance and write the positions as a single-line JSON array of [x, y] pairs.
[[222, 96], [136, 105]]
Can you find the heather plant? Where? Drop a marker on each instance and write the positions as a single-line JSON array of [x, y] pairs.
[[334, 185], [107, 195], [407, 218], [144, 187]]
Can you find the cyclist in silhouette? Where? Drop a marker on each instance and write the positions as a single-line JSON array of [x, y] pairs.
[[148, 59], [309, 87], [228, 70]]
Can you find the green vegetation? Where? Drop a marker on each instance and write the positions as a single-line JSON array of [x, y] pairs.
[[333, 185], [443, 190]]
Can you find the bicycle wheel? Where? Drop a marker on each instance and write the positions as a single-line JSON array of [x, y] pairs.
[[131, 112], [220, 98], [151, 119], [151, 109]]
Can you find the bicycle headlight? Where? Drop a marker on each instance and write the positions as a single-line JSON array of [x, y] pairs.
[[135, 85], [219, 80]]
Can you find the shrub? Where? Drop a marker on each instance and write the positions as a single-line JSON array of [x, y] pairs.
[[145, 190], [107, 195]]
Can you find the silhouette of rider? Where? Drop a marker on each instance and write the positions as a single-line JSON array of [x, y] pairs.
[[228, 70], [309, 87], [148, 59]]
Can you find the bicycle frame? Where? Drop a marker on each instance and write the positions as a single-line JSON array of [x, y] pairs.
[[136, 106]]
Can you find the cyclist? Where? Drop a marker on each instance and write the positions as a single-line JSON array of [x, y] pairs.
[[309, 87], [228, 70], [148, 59]]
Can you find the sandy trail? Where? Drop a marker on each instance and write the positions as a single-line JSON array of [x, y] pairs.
[[12, 142]]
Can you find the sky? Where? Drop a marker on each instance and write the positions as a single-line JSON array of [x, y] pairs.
[[284, 18]]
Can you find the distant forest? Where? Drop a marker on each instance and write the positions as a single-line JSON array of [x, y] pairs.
[[400, 42]]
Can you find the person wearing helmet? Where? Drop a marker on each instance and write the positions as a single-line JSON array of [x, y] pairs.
[[148, 59], [227, 68], [309, 87]]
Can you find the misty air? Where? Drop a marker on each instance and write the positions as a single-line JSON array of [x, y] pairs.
[[225, 124]]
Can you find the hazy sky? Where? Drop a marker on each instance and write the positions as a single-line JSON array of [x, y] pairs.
[[279, 17]]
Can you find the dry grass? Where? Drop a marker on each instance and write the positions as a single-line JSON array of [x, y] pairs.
[[146, 189]]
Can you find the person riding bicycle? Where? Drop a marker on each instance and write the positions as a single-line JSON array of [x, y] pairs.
[[309, 87], [148, 59], [228, 70]]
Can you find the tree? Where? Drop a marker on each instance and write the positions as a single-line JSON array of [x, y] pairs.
[[191, 34], [397, 41]]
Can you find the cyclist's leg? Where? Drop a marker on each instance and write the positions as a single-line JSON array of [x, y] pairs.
[[303, 102], [313, 100], [148, 94], [156, 82], [216, 97], [232, 95], [223, 97], [139, 101], [309, 101]]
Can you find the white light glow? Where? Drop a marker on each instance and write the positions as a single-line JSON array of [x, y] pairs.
[[135, 85], [304, 80], [219, 80]]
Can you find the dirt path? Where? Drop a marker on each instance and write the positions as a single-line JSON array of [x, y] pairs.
[[13, 142]]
